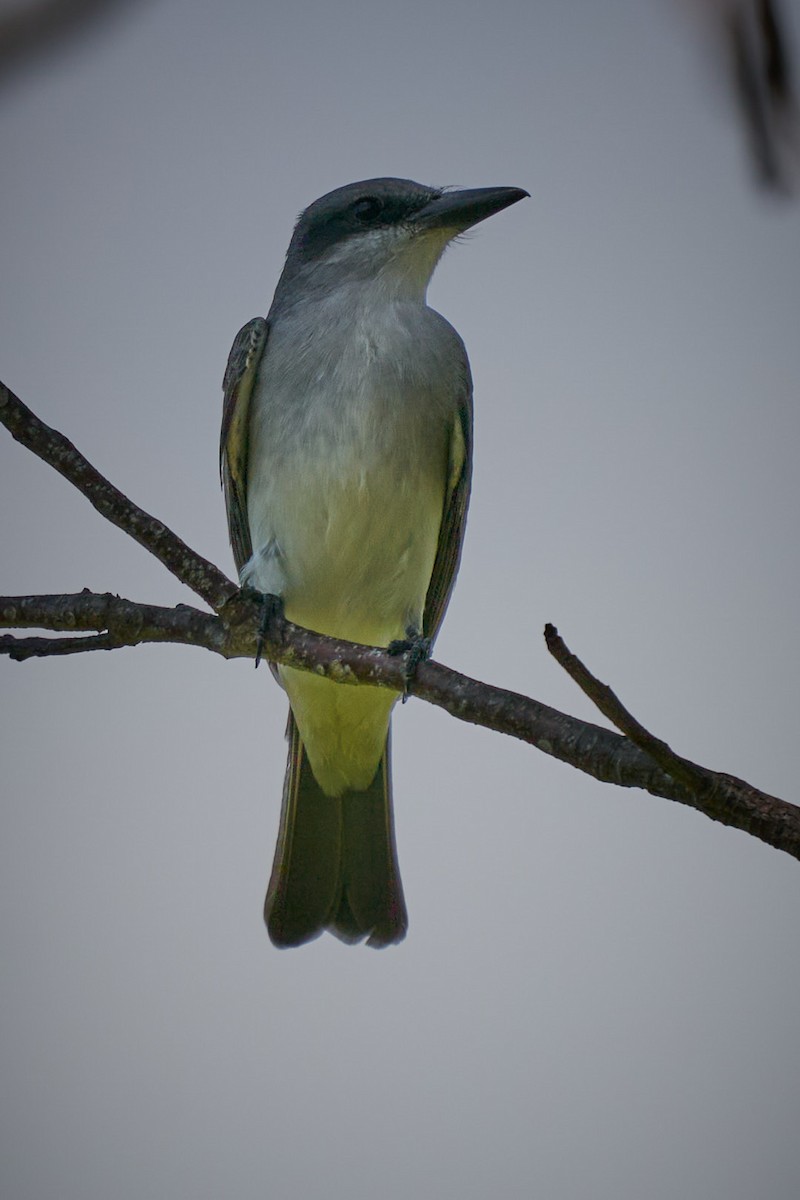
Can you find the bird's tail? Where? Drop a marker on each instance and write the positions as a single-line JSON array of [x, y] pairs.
[[335, 862]]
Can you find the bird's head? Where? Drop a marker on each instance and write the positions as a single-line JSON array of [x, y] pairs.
[[385, 231]]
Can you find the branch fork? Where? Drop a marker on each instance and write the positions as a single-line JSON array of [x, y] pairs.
[[634, 757]]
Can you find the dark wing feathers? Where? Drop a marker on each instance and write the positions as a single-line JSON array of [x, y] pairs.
[[237, 386], [451, 533]]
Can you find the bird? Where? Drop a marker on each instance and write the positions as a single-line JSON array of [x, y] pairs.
[[345, 456]]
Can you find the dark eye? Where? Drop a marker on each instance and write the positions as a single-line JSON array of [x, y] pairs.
[[367, 209]]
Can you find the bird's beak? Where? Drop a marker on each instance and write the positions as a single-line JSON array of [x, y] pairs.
[[461, 210]]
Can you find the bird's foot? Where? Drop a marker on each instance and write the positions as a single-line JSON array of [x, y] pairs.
[[415, 649], [271, 606]]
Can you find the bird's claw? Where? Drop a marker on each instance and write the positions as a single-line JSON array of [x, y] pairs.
[[271, 606], [415, 649]]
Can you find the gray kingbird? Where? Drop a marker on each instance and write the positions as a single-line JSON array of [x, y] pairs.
[[346, 460]]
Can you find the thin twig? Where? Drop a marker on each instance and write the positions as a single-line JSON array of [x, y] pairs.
[[21, 649], [720, 796], [695, 778]]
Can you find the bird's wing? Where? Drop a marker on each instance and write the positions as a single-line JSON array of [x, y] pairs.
[[451, 532], [237, 386]]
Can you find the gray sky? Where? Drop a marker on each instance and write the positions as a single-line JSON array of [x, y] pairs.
[[598, 996]]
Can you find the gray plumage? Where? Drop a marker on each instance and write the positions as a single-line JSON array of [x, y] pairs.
[[346, 455]]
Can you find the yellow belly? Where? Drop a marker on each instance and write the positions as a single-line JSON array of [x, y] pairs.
[[357, 560]]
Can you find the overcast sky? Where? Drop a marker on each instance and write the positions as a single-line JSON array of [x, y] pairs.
[[598, 996]]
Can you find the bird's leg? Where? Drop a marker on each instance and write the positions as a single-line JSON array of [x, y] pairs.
[[415, 649], [271, 606]]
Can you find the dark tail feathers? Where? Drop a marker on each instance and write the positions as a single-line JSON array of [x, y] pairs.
[[335, 862]]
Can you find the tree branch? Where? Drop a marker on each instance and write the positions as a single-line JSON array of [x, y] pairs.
[[721, 797], [598, 752], [33, 30], [637, 759], [185, 564], [682, 771], [20, 649], [123, 622]]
